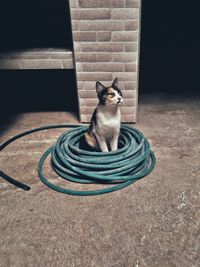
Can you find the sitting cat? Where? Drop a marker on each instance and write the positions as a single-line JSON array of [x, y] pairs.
[[104, 129]]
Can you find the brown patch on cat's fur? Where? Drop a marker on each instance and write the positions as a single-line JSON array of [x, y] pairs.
[[91, 140]]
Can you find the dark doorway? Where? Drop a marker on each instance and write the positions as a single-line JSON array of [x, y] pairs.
[[38, 23], [170, 44]]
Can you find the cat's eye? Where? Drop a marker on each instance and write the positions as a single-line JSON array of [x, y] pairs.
[[111, 94]]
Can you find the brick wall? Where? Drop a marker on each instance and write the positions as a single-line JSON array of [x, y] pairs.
[[106, 37]]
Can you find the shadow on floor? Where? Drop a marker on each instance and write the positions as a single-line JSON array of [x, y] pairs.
[[36, 91]]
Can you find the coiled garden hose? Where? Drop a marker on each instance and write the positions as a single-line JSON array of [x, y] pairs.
[[117, 169]]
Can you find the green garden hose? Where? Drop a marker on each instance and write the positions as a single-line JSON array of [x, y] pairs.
[[117, 169]]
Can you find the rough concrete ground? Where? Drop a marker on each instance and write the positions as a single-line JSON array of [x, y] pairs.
[[154, 222]]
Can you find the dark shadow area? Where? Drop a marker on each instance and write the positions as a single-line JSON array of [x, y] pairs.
[[29, 24], [6, 120], [34, 91], [37, 90], [170, 44]]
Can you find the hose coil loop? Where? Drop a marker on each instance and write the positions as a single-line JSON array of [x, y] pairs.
[[117, 169], [120, 168]]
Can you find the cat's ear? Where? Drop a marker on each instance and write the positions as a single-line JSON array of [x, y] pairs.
[[115, 82], [99, 87]]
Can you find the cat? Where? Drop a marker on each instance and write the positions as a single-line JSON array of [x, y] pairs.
[[104, 129]]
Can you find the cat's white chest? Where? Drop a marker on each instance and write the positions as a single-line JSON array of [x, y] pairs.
[[109, 125]]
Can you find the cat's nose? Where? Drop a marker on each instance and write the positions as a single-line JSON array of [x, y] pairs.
[[119, 99]]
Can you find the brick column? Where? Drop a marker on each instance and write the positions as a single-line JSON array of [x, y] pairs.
[[106, 45]]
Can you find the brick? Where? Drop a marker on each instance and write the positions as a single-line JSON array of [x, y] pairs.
[[102, 47], [125, 76], [94, 76], [101, 25], [122, 85], [87, 110], [76, 47], [128, 110], [85, 36], [124, 57], [125, 13], [79, 67], [88, 93], [85, 118], [125, 36], [131, 47], [101, 3], [129, 102], [122, 119], [93, 57], [103, 67], [132, 3], [130, 67], [129, 94], [130, 85], [88, 102], [74, 25], [88, 14], [129, 118], [68, 64], [73, 3], [131, 25], [80, 85], [104, 36], [90, 85]]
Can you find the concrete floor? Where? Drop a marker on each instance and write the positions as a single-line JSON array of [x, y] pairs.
[[154, 222]]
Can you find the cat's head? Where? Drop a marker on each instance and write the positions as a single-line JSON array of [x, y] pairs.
[[111, 95]]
